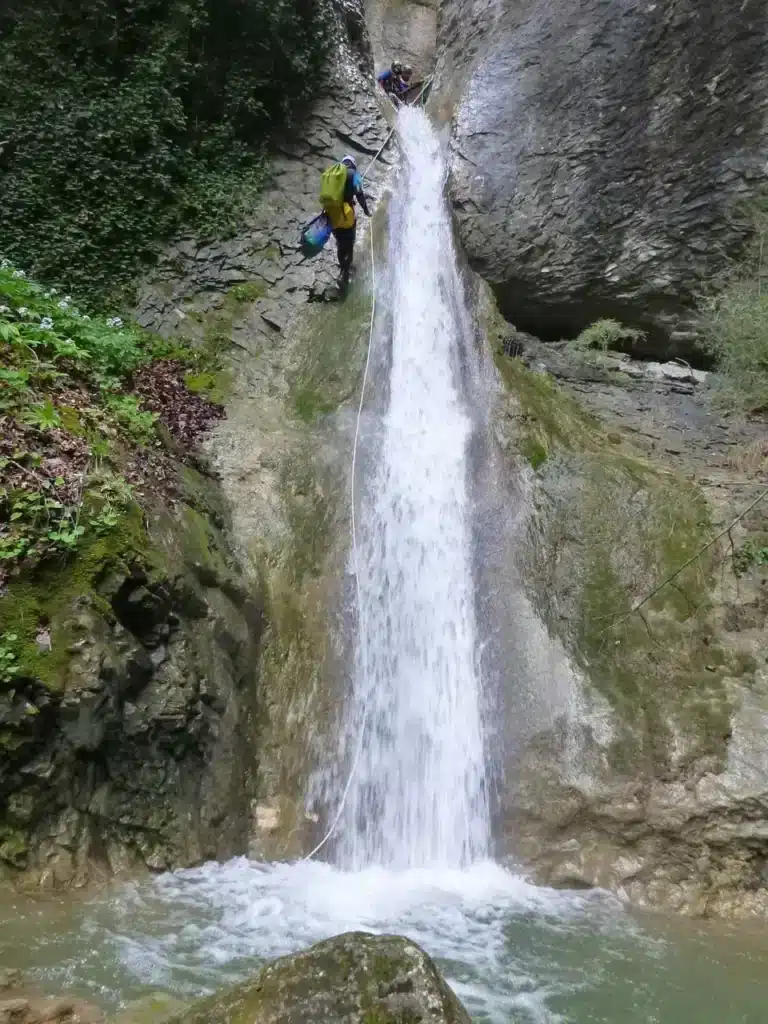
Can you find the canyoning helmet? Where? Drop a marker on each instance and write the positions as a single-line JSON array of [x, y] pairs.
[[349, 161], [407, 71], [397, 67]]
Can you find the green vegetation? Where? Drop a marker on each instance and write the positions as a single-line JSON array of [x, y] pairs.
[[749, 556], [606, 334], [735, 325], [249, 292], [123, 119], [73, 429]]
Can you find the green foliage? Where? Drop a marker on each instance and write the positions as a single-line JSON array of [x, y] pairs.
[[66, 402], [126, 118], [8, 659], [605, 334], [735, 323], [248, 292], [137, 423], [43, 416], [38, 524], [749, 556]]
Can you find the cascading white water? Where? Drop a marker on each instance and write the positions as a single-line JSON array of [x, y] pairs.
[[515, 953], [417, 797]]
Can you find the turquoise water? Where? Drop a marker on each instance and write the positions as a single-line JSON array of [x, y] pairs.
[[512, 951]]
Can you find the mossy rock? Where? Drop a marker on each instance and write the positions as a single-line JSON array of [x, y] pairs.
[[44, 598], [356, 978], [154, 1008], [608, 526]]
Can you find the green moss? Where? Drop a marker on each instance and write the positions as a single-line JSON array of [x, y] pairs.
[[548, 418], [534, 452], [613, 526], [46, 596], [13, 846], [329, 373], [249, 292], [70, 420], [310, 404], [216, 386]]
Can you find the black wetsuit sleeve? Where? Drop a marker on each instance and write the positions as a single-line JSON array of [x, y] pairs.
[[363, 202]]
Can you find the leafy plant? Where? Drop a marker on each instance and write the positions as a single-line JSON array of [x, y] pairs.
[[43, 416], [135, 421], [606, 334], [127, 118], [749, 556], [107, 519], [8, 660], [66, 535], [734, 322]]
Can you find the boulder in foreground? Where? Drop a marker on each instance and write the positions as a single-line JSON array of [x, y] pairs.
[[355, 978]]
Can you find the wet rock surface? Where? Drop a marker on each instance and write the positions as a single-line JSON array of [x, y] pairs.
[[650, 778], [142, 755], [21, 1005], [354, 978], [597, 150]]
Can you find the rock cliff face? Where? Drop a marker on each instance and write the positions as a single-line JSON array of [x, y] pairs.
[[649, 776], [597, 149], [179, 725], [138, 749]]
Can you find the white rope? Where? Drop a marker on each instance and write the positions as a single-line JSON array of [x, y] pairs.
[[355, 556], [353, 521]]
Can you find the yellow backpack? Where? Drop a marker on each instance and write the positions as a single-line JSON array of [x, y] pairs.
[[332, 187]]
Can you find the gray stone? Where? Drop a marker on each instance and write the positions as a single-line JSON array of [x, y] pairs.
[[596, 150], [355, 978]]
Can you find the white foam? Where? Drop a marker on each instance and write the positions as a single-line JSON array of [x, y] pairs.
[[418, 793], [197, 929]]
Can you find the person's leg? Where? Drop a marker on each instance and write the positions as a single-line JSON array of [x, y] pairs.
[[345, 245]]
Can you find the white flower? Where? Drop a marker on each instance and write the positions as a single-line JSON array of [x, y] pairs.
[[86, 317], [46, 323], [22, 310], [4, 309], [67, 298], [114, 321], [53, 292], [19, 273], [63, 305], [4, 264]]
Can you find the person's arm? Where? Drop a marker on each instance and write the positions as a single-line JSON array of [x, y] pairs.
[[360, 195]]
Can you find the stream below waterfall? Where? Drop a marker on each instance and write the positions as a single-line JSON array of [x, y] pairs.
[[412, 846], [514, 953]]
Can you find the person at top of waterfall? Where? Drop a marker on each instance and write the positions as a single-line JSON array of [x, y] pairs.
[[344, 221], [390, 80]]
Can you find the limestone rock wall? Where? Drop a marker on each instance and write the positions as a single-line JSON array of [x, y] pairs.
[[597, 149], [650, 776], [142, 752]]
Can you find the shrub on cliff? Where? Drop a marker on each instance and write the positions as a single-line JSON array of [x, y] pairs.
[[734, 322], [607, 334], [121, 119]]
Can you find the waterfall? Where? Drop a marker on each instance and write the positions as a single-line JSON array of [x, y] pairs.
[[417, 796]]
